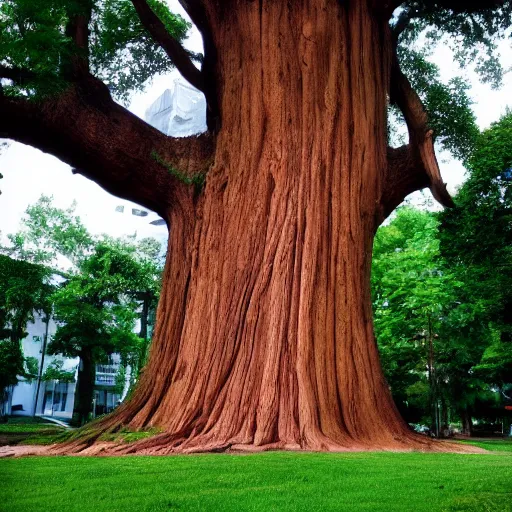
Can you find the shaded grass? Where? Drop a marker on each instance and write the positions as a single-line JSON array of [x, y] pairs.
[[128, 436], [267, 481], [6, 428], [47, 437], [499, 445], [17, 424], [27, 430]]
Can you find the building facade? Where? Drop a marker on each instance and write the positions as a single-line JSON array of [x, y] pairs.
[[57, 398]]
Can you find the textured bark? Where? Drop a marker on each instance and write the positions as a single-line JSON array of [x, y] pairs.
[[264, 335]]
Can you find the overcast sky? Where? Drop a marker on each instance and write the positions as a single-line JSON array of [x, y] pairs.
[[28, 173]]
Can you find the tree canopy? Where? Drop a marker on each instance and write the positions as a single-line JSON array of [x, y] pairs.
[[432, 329], [46, 46], [37, 39], [476, 240]]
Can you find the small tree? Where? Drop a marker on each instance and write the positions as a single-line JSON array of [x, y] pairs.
[[476, 240], [430, 330], [107, 285]]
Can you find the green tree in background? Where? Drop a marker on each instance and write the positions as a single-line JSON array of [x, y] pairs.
[[24, 289], [96, 312], [106, 285], [476, 241], [430, 332]]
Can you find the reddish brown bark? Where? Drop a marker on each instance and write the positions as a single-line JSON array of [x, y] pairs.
[[265, 322], [264, 335]]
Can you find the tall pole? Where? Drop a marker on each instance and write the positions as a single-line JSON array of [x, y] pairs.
[[40, 373], [434, 407], [53, 396]]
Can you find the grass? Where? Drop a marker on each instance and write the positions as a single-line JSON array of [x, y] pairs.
[[28, 430], [129, 436], [498, 445], [16, 424], [267, 482]]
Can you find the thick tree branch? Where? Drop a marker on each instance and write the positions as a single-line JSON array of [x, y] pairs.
[[421, 144], [178, 55], [103, 141], [197, 11], [404, 176]]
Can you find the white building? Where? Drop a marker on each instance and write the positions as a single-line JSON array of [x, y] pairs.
[[54, 398], [180, 111], [57, 398]]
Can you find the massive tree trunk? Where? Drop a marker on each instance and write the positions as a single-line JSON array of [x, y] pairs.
[[264, 335]]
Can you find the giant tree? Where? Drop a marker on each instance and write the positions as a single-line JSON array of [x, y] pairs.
[[264, 333]]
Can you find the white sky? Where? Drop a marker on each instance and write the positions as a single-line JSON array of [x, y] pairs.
[[28, 172]]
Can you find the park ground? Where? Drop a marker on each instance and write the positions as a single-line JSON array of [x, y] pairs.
[[270, 481]]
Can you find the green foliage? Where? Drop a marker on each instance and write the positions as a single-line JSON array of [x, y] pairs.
[[96, 308], [11, 364], [197, 179], [98, 300], [55, 371], [419, 302], [49, 232], [123, 54], [476, 240], [31, 368], [472, 36], [24, 288], [33, 36], [448, 105]]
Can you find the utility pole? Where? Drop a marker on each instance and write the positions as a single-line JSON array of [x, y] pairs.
[[43, 352], [434, 405]]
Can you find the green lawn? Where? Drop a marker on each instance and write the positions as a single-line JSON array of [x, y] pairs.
[[497, 445], [28, 430], [266, 482]]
